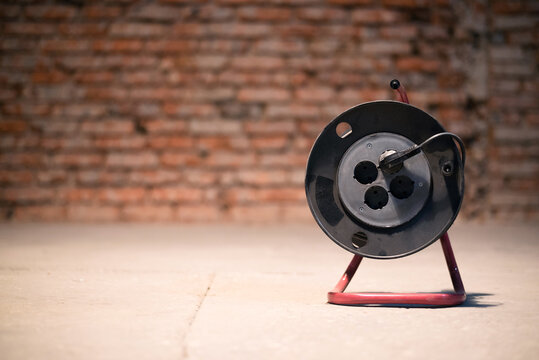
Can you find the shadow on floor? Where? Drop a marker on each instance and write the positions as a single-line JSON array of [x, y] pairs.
[[476, 300]]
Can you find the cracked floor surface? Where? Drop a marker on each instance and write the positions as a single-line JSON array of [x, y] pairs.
[[125, 291]]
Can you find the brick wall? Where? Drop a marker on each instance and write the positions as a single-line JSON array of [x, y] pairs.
[[181, 110]]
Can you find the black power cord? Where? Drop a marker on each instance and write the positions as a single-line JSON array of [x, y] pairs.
[[394, 160]]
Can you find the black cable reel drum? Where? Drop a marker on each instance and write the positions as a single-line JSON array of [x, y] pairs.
[[385, 180]]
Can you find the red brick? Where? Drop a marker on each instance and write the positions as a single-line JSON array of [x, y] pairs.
[[242, 77], [80, 110], [92, 213], [108, 126], [304, 143], [7, 94], [434, 32], [215, 127], [16, 177], [399, 32], [199, 213], [7, 11], [117, 45], [222, 142], [120, 142], [263, 94], [65, 45], [213, 12], [21, 159], [50, 77], [315, 94], [106, 93], [55, 12], [18, 44], [164, 142], [210, 94], [517, 21], [29, 28], [98, 177], [145, 213], [351, 2], [102, 12], [78, 195], [406, 3], [418, 64], [269, 142], [210, 62], [165, 126], [61, 143], [317, 14], [155, 177], [95, 77], [224, 159], [13, 126], [261, 213], [185, 110], [239, 30], [311, 127], [170, 46], [262, 177], [362, 95], [27, 109], [158, 12], [294, 110], [141, 77], [328, 47], [176, 195], [52, 177], [132, 160], [279, 195], [27, 195], [138, 30], [385, 48], [150, 94], [202, 178], [271, 47], [77, 160], [375, 16], [264, 14], [27, 143], [39, 213], [283, 160], [257, 63], [121, 195], [270, 127], [174, 159], [74, 29]]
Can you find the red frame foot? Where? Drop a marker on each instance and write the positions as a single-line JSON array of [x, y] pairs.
[[339, 297]]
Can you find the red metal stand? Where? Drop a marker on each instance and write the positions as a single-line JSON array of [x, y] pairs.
[[339, 297]]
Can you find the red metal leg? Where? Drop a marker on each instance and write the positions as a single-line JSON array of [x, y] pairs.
[[399, 88], [338, 296]]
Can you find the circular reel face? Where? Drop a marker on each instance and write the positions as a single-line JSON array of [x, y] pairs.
[[373, 213], [375, 198]]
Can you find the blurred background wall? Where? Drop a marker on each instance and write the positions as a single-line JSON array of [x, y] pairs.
[[204, 111]]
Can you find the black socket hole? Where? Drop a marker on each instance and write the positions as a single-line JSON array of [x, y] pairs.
[[365, 172], [401, 187], [447, 168], [376, 197]]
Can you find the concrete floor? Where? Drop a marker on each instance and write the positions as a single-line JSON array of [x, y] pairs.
[[223, 292]]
